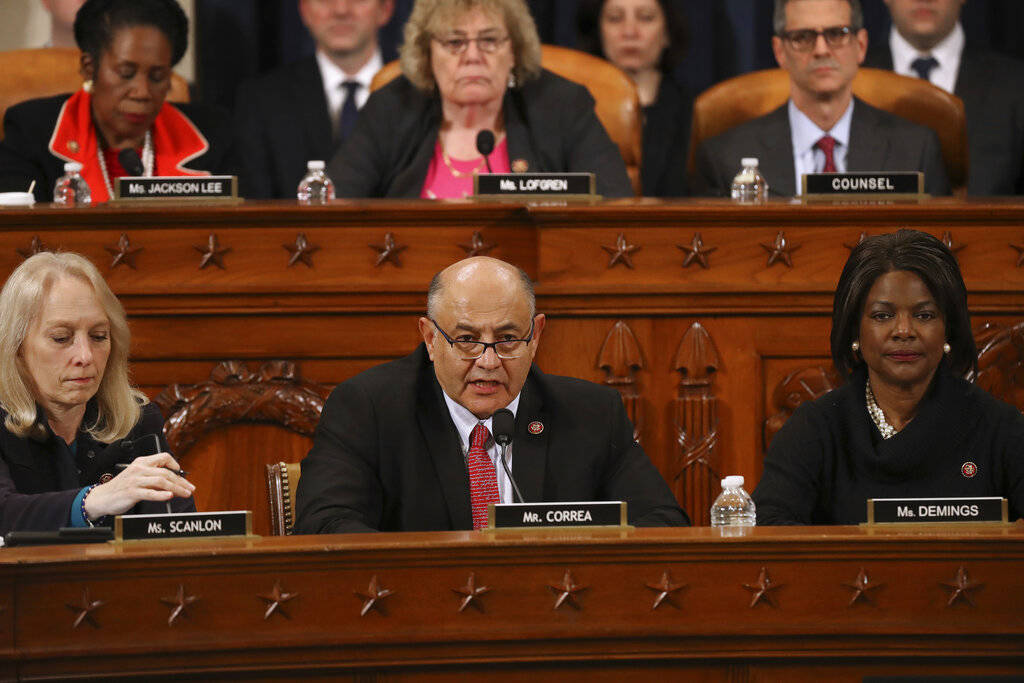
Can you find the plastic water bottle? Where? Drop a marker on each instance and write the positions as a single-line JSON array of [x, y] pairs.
[[71, 188], [733, 507], [316, 187], [749, 185]]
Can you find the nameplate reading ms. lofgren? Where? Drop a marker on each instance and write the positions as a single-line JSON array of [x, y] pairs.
[[177, 187], [182, 525], [881, 183], [543, 184], [575, 514], [931, 510]]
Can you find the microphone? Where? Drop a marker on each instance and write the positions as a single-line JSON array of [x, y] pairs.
[[485, 145], [503, 422], [131, 162]]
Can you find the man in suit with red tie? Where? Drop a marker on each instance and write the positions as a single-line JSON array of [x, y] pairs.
[[408, 445]]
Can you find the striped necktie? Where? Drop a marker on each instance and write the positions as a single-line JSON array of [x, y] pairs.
[[483, 483]]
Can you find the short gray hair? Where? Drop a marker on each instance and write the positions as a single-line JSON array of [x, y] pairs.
[[856, 15], [436, 290]]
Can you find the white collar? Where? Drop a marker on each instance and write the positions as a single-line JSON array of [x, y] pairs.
[[465, 421], [806, 132], [947, 52], [333, 76]]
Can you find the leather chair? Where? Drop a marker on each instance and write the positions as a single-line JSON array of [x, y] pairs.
[[616, 101], [282, 482], [745, 97], [48, 71]]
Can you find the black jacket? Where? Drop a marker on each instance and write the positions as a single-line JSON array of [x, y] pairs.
[[667, 141]]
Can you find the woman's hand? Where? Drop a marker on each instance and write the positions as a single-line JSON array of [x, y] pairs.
[[150, 477]]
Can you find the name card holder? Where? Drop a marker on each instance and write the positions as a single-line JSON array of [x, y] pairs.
[[528, 185], [205, 188], [179, 525], [986, 510], [589, 514], [890, 185]]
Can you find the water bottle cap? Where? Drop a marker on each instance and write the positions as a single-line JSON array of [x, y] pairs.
[[733, 481], [748, 161], [315, 165], [72, 167]]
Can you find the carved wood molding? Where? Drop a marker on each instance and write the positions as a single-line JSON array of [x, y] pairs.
[[1001, 362], [273, 394], [620, 358], [804, 384]]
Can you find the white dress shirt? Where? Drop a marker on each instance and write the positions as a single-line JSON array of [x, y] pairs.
[[465, 421], [805, 134], [946, 53], [333, 77]]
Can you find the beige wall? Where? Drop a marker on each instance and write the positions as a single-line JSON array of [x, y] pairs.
[[24, 23]]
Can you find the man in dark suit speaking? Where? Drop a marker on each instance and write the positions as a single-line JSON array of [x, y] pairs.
[[823, 127], [406, 446]]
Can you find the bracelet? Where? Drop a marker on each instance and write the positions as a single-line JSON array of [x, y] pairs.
[[85, 515]]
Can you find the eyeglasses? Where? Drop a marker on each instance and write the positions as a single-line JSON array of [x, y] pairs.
[[487, 44], [471, 350], [804, 39]]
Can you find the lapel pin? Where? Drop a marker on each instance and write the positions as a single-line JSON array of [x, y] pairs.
[[969, 469], [521, 166], [535, 427], [73, 146], [107, 476]]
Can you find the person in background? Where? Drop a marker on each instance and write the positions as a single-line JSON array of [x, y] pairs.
[[927, 41], [62, 21], [647, 40], [469, 66], [128, 50], [905, 424], [68, 414], [306, 109]]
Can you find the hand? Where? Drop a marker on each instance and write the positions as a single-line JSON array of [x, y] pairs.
[[150, 477]]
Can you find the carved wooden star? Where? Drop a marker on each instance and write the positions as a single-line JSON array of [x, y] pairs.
[[477, 246], [860, 586], [373, 597], [696, 251], [212, 253], [123, 253], [947, 239], [1020, 253], [34, 247], [621, 252], [665, 588], [762, 588], [471, 593], [179, 604], [85, 608], [851, 247], [961, 587], [780, 250], [275, 600], [566, 591], [302, 250], [388, 251]]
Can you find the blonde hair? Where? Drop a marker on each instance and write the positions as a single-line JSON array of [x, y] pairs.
[[432, 17], [21, 302]]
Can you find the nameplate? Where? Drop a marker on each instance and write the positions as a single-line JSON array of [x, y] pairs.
[[204, 187], [534, 184], [840, 184], [540, 515], [931, 510], [182, 525]]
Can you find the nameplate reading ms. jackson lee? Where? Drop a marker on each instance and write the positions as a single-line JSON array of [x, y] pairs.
[[182, 525], [543, 184], [931, 510], [174, 187], [532, 515], [881, 183]]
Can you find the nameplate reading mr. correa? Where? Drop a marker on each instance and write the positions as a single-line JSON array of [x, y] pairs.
[[182, 525], [533, 515], [931, 510], [881, 183], [543, 184], [177, 187]]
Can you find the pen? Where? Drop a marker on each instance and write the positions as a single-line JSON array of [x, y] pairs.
[[122, 465]]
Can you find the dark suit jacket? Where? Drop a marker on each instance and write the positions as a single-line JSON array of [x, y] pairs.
[[386, 455], [549, 122], [666, 141], [879, 141], [28, 127], [992, 88], [40, 479]]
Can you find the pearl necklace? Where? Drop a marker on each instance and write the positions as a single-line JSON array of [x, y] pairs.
[[877, 416], [147, 163], [457, 173]]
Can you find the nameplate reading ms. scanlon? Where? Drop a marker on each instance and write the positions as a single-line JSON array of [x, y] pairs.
[[534, 184], [823, 185], [539, 515], [932, 510], [182, 525], [176, 187]]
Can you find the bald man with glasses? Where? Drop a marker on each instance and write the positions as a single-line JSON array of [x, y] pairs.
[[408, 445]]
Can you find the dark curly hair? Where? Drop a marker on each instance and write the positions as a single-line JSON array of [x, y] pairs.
[[98, 20], [924, 256], [588, 32]]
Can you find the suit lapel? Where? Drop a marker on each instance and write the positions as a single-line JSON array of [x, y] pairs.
[[530, 450], [971, 78], [868, 149], [312, 105], [776, 159], [519, 137]]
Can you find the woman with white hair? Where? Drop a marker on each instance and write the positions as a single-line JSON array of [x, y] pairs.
[[74, 433]]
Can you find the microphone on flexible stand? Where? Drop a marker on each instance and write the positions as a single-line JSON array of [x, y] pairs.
[[503, 422], [130, 161], [485, 145]]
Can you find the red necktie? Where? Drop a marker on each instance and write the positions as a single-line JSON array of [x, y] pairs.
[[826, 145], [483, 484]]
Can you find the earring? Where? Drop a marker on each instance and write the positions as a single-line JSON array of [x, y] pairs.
[[855, 346], [946, 348], [511, 80], [87, 85]]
